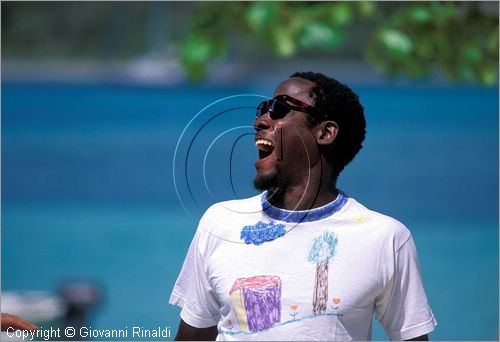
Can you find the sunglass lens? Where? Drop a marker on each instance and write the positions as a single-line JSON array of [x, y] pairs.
[[278, 110], [262, 109]]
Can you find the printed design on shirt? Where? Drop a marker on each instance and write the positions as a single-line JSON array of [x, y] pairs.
[[295, 318], [336, 306], [360, 218], [322, 250], [256, 302], [262, 232], [294, 311], [229, 324]]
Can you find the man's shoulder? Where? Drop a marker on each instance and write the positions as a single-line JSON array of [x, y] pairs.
[[225, 219], [382, 223], [240, 205], [233, 210]]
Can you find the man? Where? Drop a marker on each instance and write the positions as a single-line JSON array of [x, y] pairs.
[[302, 261]]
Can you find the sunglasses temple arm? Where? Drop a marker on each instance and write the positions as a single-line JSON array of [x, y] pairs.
[[279, 155]]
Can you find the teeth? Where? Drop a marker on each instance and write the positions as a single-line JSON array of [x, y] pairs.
[[263, 142]]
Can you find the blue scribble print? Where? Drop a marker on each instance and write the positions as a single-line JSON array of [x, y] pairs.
[[262, 232]]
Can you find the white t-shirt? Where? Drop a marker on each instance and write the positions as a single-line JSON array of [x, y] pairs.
[[262, 273]]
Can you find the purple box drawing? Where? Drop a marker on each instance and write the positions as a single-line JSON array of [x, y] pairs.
[[257, 302]]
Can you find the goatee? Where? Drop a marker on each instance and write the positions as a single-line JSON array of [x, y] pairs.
[[265, 182]]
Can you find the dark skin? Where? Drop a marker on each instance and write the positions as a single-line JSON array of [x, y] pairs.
[[187, 332], [302, 177]]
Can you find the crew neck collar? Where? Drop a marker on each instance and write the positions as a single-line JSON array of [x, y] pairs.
[[297, 216]]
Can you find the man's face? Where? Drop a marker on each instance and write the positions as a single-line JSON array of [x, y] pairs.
[[287, 146]]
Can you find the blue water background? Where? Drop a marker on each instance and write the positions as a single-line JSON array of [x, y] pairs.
[[88, 190]]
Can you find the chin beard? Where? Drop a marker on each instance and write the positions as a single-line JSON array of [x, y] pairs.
[[266, 182]]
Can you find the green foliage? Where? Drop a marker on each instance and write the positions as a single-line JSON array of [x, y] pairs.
[[206, 38], [447, 35], [410, 38], [460, 39]]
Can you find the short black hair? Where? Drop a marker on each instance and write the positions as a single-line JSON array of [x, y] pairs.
[[341, 105]]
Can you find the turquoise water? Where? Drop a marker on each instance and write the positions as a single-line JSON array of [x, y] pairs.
[[87, 189]]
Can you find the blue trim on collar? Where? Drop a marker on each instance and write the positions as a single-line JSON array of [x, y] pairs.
[[303, 215]]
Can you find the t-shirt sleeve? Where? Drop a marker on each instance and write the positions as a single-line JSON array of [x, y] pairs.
[[402, 308], [192, 290]]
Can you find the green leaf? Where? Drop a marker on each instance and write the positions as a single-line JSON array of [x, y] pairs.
[[473, 54], [488, 76], [284, 43], [317, 34], [396, 41], [420, 14], [261, 14], [443, 12], [367, 8], [341, 14], [196, 50], [493, 41]]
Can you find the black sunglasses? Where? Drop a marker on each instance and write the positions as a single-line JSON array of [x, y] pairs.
[[281, 105]]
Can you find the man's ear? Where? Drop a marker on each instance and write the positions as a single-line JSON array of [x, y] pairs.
[[326, 132]]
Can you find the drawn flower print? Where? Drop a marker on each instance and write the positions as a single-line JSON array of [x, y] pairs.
[[294, 309], [335, 306]]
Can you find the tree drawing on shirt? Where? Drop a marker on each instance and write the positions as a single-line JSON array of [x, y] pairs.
[[322, 250]]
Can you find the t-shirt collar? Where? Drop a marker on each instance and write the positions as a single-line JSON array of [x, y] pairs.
[[303, 215]]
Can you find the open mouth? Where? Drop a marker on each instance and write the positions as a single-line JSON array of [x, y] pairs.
[[265, 147]]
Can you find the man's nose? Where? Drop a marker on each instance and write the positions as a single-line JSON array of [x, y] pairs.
[[263, 122]]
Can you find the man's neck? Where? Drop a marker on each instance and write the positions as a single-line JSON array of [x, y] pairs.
[[303, 197]]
